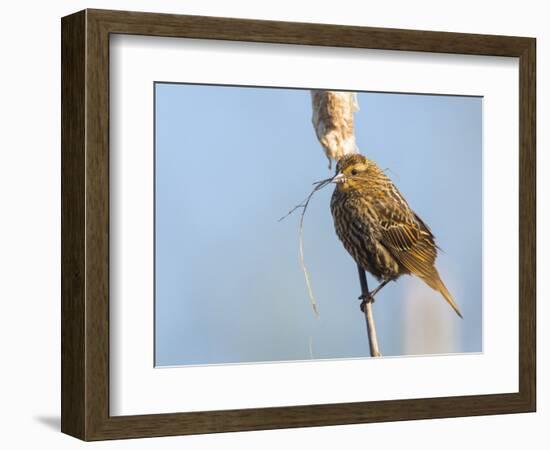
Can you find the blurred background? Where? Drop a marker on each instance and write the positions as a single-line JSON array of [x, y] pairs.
[[230, 161]]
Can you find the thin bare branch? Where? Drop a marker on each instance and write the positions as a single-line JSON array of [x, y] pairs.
[[371, 330], [368, 300]]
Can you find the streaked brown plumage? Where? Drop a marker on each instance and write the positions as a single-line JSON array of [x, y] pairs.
[[379, 229]]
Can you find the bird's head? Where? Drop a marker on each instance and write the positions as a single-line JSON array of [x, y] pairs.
[[353, 172]]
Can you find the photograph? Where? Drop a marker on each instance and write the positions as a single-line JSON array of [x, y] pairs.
[[271, 204], [275, 223]]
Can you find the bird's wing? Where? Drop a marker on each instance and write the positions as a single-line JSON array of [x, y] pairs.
[[407, 238]]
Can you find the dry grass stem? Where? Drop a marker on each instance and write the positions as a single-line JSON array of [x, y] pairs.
[[303, 206]]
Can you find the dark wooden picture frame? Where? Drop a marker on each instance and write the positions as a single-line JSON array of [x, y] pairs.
[[85, 224]]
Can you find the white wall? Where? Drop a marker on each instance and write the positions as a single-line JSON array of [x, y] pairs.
[[30, 229]]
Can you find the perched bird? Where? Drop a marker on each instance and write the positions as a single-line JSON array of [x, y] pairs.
[[378, 228]]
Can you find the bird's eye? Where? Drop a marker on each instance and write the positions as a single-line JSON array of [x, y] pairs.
[[354, 172]]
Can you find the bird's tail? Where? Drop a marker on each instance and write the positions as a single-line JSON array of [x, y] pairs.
[[435, 283]]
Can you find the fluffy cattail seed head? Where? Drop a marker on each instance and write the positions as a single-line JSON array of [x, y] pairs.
[[333, 122]]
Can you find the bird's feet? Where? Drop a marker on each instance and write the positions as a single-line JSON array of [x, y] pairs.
[[365, 298]]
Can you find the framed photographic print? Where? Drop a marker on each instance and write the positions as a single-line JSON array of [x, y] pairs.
[[266, 224]]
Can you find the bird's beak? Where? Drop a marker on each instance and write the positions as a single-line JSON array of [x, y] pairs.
[[340, 178]]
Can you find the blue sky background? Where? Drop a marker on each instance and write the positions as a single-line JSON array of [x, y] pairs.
[[231, 160]]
